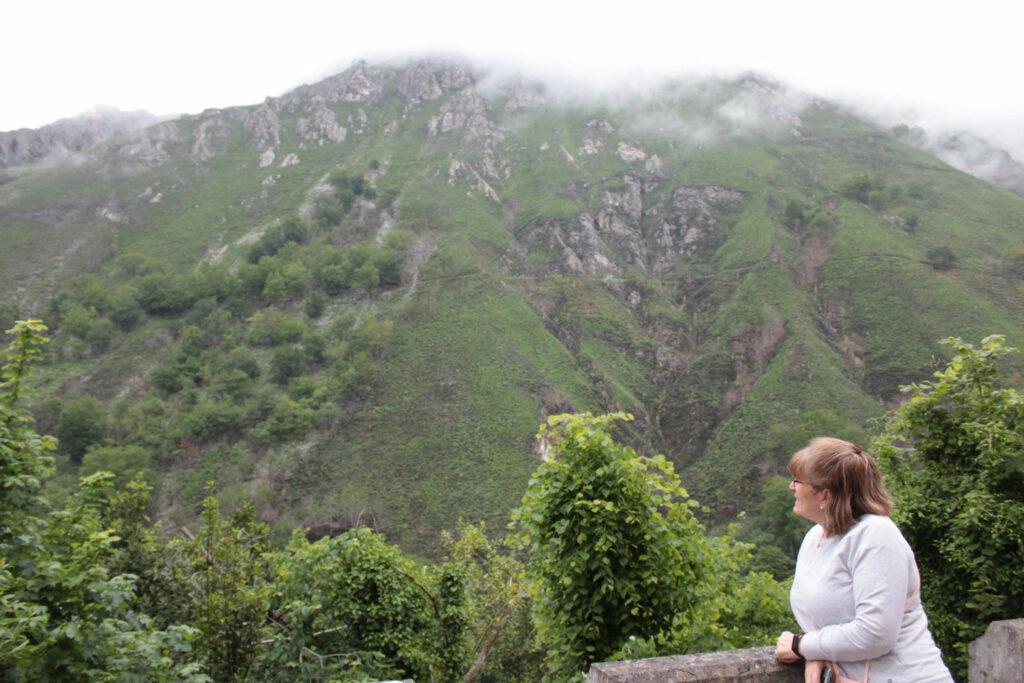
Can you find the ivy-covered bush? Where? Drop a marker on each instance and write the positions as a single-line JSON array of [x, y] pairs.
[[953, 457], [617, 556]]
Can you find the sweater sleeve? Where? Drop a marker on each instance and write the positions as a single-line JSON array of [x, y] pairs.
[[878, 562]]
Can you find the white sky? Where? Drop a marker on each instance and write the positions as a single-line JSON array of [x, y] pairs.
[[956, 63]]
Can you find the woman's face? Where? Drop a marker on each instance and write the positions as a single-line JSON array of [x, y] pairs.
[[809, 503]]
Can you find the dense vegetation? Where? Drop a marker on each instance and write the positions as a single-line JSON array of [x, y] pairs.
[[605, 560], [95, 592], [953, 454]]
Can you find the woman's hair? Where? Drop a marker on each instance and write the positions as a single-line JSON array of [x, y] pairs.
[[851, 477]]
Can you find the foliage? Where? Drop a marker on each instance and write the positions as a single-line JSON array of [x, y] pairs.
[[776, 532], [64, 615], [290, 230], [229, 590], [941, 258], [126, 462], [868, 188], [82, 424], [953, 455], [735, 608], [498, 606], [617, 554], [354, 606]]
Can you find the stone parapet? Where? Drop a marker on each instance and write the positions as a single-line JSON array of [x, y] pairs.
[[754, 665], [998, 655]]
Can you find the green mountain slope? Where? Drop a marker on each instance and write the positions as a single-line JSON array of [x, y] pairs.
[[447, 259]]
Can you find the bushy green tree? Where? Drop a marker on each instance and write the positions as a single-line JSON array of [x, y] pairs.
[[615, 550], [82, 424], [127, 463], [163, 293], [229, 590], [953, 456]]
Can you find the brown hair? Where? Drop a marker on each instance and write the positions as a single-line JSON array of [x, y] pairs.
[[851, 477]]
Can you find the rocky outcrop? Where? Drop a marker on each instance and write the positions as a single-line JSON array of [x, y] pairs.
[[419, 84], [264, 125], [686, 218], [459, 169], [358, 83], [26, 146], [620, 219], [151, 147], [322, 127], [522, 97], [579, 251], [210, 138], [624, 231], [467, 111], [429, 79]]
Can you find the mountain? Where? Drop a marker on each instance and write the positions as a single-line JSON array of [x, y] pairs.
[[24, 148], [968, 152], [355, 303]]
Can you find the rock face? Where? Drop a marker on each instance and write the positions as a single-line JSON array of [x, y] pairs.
[[429, 79], [625, 229], [322, 127], [358, 83], [685, 219], [210, 138], [152, 146], [264, 125], [63, 138], [467, 111]]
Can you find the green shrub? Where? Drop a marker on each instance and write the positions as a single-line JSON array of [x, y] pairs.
[[82, 424], [952, 458]]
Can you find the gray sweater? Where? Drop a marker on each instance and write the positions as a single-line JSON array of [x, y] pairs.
[[857, 597]]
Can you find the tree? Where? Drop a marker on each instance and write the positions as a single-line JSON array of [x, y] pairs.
[[162, 293], [941, 258], [229, 590], [953, 455], [616, 554], [82, 424], [125, 462]]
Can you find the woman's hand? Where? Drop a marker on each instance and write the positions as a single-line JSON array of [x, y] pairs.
[[784, 649], [813, 669]]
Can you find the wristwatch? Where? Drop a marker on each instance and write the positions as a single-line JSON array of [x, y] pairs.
[[796, 645]]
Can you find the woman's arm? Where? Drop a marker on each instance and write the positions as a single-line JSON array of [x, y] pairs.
[[880, 562], [784, 649]]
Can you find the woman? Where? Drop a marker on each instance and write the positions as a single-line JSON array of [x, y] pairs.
[[856, 592]]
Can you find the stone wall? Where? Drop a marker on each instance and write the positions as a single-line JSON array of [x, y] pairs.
[[996, 657], [999, 654], [755, 665]]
